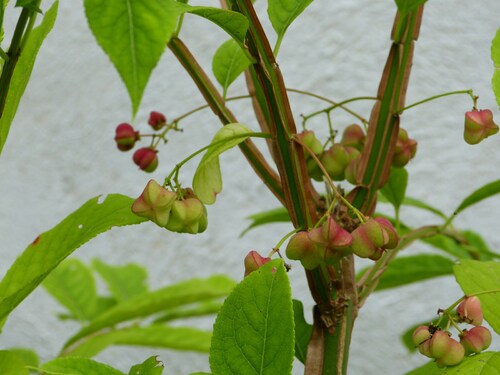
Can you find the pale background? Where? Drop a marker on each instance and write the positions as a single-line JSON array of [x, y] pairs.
[[61, 152]]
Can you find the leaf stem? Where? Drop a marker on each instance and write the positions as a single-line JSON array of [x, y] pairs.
[[336, 105], [177, 167], [340, 105], [459, 92], [278, 245]]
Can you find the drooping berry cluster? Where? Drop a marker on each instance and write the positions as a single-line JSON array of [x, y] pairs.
[[126, 136], [329, 241], [439, 345], [180, 211], [341, 159]]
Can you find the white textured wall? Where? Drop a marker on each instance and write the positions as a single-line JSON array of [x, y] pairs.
[[61, 152]]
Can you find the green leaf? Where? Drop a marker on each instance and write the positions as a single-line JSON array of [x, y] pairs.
[[448, 245], [77, 366], [480, 194], [406, 6], [207, 180], [200, 309], [487, 363], [22, 71], [413, 202], [228, 63], [283, 12], [146, 304], [151, 366], [303, 331], [156, 335], [428, 369], [133, 33], [27, 356], [11, 364], [234, 23], [73, 286], [52, 247], [124, 281], [253, 333], [276, 215], [415, 268], [495, 56], [473, 277], [395, 188]]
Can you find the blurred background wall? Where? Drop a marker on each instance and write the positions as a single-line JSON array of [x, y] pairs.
[[61, 152]]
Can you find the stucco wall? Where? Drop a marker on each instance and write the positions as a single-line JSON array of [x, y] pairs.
[[61, 152]]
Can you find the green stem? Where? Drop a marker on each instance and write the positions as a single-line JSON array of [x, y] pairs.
[[337, 105], [205, 106], [13, 53], [460, 92]]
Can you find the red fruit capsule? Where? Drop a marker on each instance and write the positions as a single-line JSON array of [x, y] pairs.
[[470, 311], [126, 136], [146, 159], [157, 120]]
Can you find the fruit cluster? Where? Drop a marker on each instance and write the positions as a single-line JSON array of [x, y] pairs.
[[126, 136], [180, 211], [329, 241], [439, 345], [341, 160]]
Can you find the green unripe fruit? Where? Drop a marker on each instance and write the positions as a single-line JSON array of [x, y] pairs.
[[420, 335], [404, 150], [155, 203], [476, 340], [424, 349], [353, 136], [302, 247], [479, 125], [453, 356], [439, 344], [309, 139], [469, 311], [335, 161], [368, 239]]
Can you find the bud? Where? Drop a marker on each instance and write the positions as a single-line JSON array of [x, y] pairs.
[[335, 161], [309, 139], [404, 150], [155, 203], [254, 261], [439, 344], [424, 349], [469, 311], [476, 339], [351, 170], [420, 335], [336, 237], [453, 356], [479, 125], [386, 225], [302, 247], [146, 159], [187, 215], [125, 137], [353, 136], [157, 120], [369, 239]]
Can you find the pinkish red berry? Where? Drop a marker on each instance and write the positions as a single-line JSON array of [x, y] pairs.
[[146, 159], [405, 149], [479, 125], [157, 120], [469, 311], [420, 335], [476, 339], [424, 349], [126, 136], [253, 261], [386, 225]]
